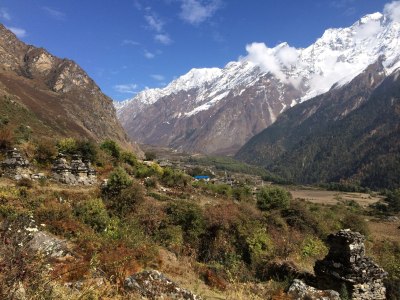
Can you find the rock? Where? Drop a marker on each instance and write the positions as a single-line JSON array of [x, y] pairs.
[[76, 173], [49, 245], [300, 291], [347, 268], [154, 285]]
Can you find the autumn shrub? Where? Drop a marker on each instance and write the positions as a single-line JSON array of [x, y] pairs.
[[242, 193], [127, 199], [112, 148], [171, 237], [273, 197], [174, 178], [93, 213], [67, 146], [6, 138], [355, 222], [313, 247], [129, 158], [118, 180], [25, 182], [88, 149], [190, 218], [45, 152]]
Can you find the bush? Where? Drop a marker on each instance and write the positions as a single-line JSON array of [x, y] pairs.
[[149, 155], [125, 202], [112, 148], [45, 152], [189, 217], [88, 150], [273, 197], [67, 146], [129, 158], [313, 247], [117, 181], [93, 213], [25, 182], [174, 178], [6, 138]]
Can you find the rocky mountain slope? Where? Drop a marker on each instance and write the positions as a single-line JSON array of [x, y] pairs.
[[52, 96], [350, 133], [218, 110]]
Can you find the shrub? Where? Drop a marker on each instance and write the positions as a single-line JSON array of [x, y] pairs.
[[189, 217], [129, 158], [313, 247], [117, 181], [273, 197], [6, 138], [242, 193], [126, 200], [93, 213], [25, 182], [67, 146], [260, 245], [149, 155], [88, 150], [174, 178], [45, 151], [112, 148]]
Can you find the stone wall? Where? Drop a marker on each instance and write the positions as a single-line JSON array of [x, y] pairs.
[[346, 268]]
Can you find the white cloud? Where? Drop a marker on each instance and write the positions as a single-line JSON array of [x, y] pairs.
[[196, 12], [163, 38], [130, 42], [272, 59], [19, 32], [4, 14], [157, 77], [367, 30], [148, 54], [130, 88], [392, 10], [55, 14], [154, 22]]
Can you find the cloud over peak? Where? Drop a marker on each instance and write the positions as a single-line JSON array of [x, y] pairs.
[[4, 14], [392, 10], [19, 32], [198, 11], [54, 13], [130, 88]]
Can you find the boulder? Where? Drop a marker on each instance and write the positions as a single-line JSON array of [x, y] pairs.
[[154, 285], [301, 291]]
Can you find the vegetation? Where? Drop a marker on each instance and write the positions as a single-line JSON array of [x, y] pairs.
[[220, 235]]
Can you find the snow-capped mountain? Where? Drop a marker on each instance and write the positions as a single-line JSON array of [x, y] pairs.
[[218, 110]]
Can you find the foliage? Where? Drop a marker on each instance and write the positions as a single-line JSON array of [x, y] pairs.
[[112, 148], [129, 158], [125, 201], [225, 163], [313, 247], [93, 213], [45, 151], [67, 146], [174, 178], [189, 217], [6, 138], [273, 197], [150, 155], [242, 193], [117, 181]]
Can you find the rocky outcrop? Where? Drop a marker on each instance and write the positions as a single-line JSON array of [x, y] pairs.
[[154, 285], [76, 173], [346, 268], [301, 291], [56, 96], [15, 166]]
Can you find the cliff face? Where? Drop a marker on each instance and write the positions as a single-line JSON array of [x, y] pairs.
[[57, 97]]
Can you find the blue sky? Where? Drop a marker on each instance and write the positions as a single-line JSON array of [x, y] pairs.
[[128, 45]]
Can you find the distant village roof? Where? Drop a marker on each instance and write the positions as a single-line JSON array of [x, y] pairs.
[[201, 177]]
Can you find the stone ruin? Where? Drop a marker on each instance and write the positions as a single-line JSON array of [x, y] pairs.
[[15, 166], [76, 173], [347, 267]]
